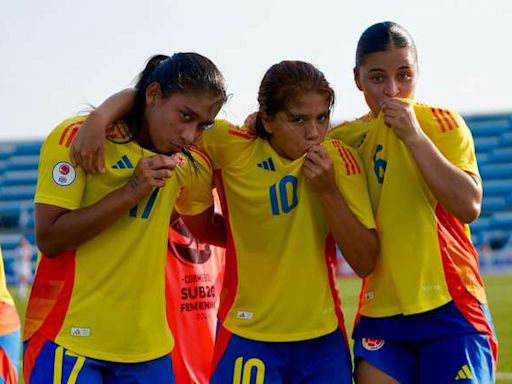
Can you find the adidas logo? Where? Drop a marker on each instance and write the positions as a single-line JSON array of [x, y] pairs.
[[123, 163], [464, 373], [267, 165]]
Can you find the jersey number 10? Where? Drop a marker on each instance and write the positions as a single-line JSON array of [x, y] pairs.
[[281, 201]]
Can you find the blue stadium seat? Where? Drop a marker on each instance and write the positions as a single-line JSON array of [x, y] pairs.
[[6, 150], [493, 204], [9, 241], [24, 162], [486, 126], [484, 144], [496, 171], [19, 178], [17, 192], [506, 139], [482, 158], [481, 224], [502, 220], [497, 187], [502, 155], [28, 148]]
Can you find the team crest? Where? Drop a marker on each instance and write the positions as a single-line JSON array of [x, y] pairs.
[[372, 344], [178, 158], [63, 174]]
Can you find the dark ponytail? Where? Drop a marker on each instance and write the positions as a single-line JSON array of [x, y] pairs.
[[180, 73]]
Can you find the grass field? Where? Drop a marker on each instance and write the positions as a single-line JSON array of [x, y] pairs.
[[499, 290]]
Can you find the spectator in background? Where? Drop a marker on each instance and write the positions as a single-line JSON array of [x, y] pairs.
[[9, 333], [23, 267]]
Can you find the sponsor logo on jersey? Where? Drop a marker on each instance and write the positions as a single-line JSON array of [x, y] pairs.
[[267, 165], [80, 332], [372, 344], [63, 174], [370, 295], [124, 163], [464, 373], [244, 315]]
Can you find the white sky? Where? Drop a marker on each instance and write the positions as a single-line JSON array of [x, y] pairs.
[[59, 55]]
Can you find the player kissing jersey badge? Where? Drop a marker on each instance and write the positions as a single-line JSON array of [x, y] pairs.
[[178, 158], [372, 344], [63, 174]]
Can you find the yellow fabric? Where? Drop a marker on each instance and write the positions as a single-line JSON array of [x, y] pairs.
[[279, 233], [409, 276], [118, 298]]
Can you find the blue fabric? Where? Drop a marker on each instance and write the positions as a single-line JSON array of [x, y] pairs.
[[10, 343], [93, 371], [321, 360], [439, 346]]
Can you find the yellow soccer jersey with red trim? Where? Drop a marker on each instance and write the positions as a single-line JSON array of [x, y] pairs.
[[278, 284], [426, 254], [106, 299]]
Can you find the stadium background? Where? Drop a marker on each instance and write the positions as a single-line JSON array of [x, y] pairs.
[[492, 232]]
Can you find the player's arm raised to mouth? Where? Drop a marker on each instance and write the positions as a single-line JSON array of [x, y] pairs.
[[59, 230]]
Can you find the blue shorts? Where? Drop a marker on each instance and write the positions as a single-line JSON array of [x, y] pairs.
[[9, 357], [324, 359], [438, 346], [47, 362]]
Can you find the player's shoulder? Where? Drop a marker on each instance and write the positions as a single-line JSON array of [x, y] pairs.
[[344, 155], [197, 156], [64, 133], [231, 131], [438, 119], [351, 132]]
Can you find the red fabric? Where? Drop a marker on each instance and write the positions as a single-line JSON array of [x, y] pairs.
[[461, 269], [34, 347], [50, 295]]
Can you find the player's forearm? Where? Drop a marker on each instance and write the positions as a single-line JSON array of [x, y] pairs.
[[359, 245], [457, 192], [114, 108], [59, 231], [207, 227]]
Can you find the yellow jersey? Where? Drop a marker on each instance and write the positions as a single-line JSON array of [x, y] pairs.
[[106, 298]]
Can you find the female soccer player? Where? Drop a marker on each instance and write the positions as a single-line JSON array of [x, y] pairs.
[[9, 333], [423, 316], [288, 196], [97, 309]]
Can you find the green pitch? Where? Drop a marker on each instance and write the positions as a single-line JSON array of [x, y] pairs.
[[499, 290]]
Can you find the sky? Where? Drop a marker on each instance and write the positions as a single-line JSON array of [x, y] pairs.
[[60, 56]]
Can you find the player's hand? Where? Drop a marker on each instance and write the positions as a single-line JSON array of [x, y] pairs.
[[318, 169], [401, 118], [87, 148], [150, 173], [250, 122]]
